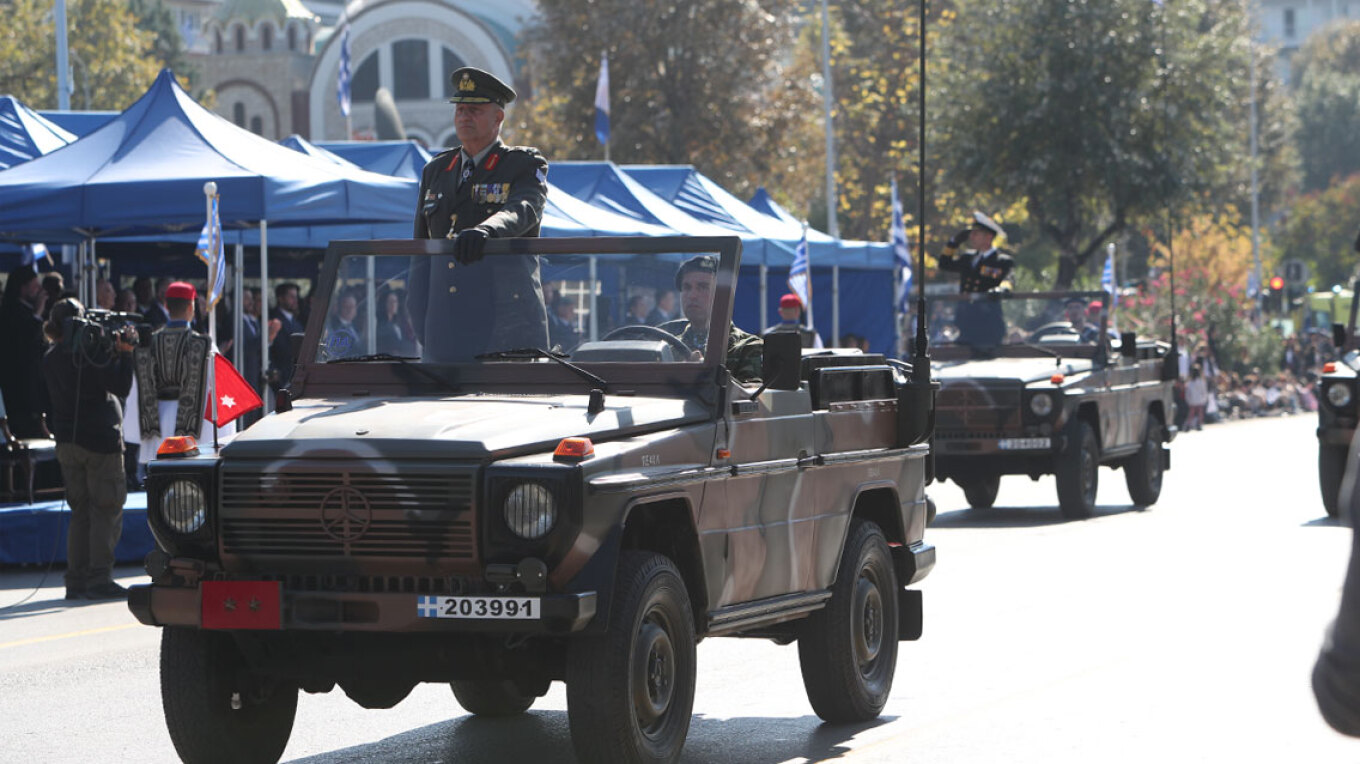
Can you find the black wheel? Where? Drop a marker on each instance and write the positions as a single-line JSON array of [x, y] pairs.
[[651, 333], [630, 691], [1143, 473], [1077, 471], [215, 709], [490, 697], [1331, 469], [981, 491], [378, 694], [848, 649]]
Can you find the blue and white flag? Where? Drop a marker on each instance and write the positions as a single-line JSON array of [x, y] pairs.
[[602, 102], [901, 252], [799, 283], [343, 78], [32, 253], [1107, 279], [210, 250]]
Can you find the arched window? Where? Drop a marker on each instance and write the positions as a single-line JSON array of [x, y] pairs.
[[238, 114], [217, 40], [411, 70], [365, 84], [257, 125], [240, 38], [452, 62], [292, 37], [267, 36]]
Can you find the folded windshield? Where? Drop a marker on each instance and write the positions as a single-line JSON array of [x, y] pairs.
[[990, 320]]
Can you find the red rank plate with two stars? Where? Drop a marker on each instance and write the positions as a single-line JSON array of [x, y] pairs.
[[241, 605]]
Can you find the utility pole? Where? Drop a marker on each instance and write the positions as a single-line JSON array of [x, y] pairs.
[[832, 226], [1255, 183], [63, 67]]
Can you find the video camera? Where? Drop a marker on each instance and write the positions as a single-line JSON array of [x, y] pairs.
[[92, 335]]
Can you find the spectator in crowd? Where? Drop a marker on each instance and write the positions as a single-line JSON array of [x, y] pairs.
[[156, 313], [562, 332], [22, 348], [850, 340], [104, 295], [396, 335], [1292, 360], [638, 310], [7, 440], [126, 301], [250, 338], [286, 312], [87, 420], [666, 308], [343, 336], [1196, 398], [145, 294], [54, 285]]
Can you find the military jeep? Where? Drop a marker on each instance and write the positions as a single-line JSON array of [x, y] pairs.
[[1034, 384], [1337, 401], [524, 516]]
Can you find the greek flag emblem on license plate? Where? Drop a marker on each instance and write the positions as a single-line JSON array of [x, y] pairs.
[[427, 607]]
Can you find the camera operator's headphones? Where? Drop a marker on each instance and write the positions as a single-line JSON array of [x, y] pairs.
[[59, 320]]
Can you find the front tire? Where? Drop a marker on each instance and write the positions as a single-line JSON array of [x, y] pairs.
[[490, 697], [1143, 473], [848, 649], [203, 676], [630, 691], [1078, 471], [981, 491], [1331, 470]]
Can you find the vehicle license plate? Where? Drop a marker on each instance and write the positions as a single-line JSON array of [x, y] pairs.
[[495, 608]]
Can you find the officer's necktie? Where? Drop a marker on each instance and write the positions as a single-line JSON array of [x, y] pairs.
[[467, 170]]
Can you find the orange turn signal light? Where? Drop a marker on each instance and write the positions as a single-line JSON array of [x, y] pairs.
[[1057, 379], [1329, 367], [574, 449], [724, 453], [178, 445]]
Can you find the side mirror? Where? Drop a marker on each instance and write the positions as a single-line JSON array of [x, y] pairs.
[[1128, 344], [915, 412], [1339, 335], [782, 362]]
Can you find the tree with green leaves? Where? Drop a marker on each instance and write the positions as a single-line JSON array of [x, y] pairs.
[[1327, 70], [1096, 113], [1320, 228]]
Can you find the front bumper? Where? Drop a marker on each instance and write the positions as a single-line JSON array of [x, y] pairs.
[[158, 605], [1019, 444]]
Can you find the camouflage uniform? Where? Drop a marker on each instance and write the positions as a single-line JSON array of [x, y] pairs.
[[744, 350]]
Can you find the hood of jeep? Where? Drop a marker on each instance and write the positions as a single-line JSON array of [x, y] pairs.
[[1022, 370], [459, 427]]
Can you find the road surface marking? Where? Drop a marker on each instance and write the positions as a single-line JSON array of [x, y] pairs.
[[68, 635]]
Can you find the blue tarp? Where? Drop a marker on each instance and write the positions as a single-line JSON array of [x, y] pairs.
[[79, 123], [404, 159], [25, 135], [144, 172], [823, 250], [302, 145]]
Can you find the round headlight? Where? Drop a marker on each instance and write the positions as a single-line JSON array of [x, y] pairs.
[[1041, 404], [1339, 394], [183, 506], [530, 511]]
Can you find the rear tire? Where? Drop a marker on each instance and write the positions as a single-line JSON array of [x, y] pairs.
[[1078, 471], [1143, 473], [1331, 470], [201, 672], [630, 690], [981, 491], [491, 697], [848, 649]]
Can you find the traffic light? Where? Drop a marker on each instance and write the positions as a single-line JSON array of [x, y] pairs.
[[1276, 301]]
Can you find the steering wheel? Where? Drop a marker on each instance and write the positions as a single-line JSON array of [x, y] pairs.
[[652, 333], [1056, 327]]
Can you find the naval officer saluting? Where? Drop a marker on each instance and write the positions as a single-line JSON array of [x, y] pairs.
[[479, 190]]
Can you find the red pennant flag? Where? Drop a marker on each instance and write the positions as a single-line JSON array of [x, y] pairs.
[[235, 396]]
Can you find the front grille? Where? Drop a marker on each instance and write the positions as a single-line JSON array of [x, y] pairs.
[[381, 538], [967, 409], [971, 435], [367, 584]]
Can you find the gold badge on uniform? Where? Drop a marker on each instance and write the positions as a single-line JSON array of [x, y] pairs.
[[466, 84]]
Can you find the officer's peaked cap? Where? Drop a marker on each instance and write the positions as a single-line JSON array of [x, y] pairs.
[[981, 221], [472, 85]]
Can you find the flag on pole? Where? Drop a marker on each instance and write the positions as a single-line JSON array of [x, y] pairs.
[[343, 78], [602, 102], [901, 252], [1107, 278], [232, 396], [799, 283], [32, 253], [210, 250]]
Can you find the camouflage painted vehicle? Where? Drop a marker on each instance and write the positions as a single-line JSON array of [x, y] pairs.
[[1048, 392], [1337, 402], [508, 521]]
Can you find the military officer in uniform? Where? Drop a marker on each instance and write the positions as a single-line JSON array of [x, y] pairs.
[[695, 282], [479, 190], [981, 268]]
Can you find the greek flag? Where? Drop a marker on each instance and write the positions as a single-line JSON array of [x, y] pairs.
[[210, 250], [602, 102], [342, 80], [1107, 279], [32, 253], [901, 252], [799, 283]]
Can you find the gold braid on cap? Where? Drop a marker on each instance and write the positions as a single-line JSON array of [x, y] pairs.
[[466, 84]]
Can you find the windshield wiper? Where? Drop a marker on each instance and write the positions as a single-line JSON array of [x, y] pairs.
[[405, 360], [541, 353], [1056, 355]]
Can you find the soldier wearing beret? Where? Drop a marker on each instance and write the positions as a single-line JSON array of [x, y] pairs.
[[695, 282], [479, 190], [791, 320], [981, 268]]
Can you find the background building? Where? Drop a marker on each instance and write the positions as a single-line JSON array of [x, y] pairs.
[[1285, 24]]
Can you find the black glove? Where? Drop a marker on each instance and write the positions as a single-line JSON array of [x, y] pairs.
[[960, 237], [468, 247]]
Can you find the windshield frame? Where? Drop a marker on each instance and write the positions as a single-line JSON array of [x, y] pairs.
[[317, 378], [1100, 348]]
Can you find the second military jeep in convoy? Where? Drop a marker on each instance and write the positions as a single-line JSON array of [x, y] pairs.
[[1338, 401], [499, 518], [1034, 384]]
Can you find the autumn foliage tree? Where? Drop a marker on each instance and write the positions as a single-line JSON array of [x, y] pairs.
[[1320, 229]]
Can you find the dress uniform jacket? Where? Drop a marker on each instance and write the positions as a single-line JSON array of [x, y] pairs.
[[170, 388], [496, 303], [979, 323]]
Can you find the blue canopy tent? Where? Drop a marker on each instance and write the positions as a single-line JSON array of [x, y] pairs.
[[404, 159], [25, 135], [79, 123], [298, 143]]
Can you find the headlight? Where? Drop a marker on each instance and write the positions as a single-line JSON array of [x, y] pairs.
[[183, 506], [530, 510], [1339, 394], [1041, 404]]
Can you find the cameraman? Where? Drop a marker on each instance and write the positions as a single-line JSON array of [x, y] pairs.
[[87, 422]]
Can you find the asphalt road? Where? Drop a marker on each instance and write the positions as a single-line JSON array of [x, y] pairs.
[[1180, 633]]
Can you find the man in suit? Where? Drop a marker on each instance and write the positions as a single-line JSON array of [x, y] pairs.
[[280, 348], [981, 268], [479, 190]]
